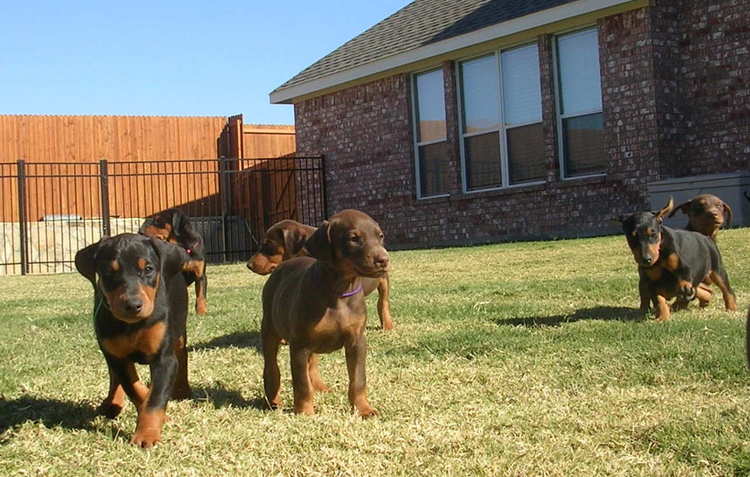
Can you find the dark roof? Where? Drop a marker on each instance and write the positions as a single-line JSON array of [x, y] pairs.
[[418, 24]]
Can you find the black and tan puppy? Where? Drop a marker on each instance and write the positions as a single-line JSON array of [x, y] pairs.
[[674, 263], [706, 214], [286, 239], [173, 226], [317, 305], [140, 308]]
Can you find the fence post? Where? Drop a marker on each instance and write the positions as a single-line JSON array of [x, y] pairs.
[[22, 216], [224, 193], [104, 196], [323, 185]]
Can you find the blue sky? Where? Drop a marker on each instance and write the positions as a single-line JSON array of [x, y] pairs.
[[186, 58]]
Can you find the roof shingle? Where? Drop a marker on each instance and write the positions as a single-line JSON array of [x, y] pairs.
[[420, 23]]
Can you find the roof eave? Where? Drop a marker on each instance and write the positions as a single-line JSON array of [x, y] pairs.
[[288, 95]]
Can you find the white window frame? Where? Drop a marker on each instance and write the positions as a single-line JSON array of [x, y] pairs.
[[415, 131], [558, 104], [502, 128]]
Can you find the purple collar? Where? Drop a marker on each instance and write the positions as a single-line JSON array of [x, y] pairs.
[[352, 293]]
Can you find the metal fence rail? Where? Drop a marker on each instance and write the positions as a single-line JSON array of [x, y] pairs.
[[51, 210]]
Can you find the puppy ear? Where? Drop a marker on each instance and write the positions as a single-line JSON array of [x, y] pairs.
[[665, 210], [86, 261], [174, 258], [319, 244], [728, 212], [684, 207], [183, 228], [177, 222]]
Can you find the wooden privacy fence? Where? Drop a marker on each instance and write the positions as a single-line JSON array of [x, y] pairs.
[[51, 210], [138, 138]]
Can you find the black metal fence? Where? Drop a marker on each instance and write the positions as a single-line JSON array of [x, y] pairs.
[[51, 210]]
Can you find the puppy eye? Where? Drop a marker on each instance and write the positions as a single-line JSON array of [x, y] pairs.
[[355, 239], [148, 269]]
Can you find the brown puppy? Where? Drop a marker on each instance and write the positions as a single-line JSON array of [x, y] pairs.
[[317, 305], [283, 240], [286, 239], [706, 214]]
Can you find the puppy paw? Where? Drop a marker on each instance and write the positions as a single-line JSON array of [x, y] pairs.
[[146, 438], [109, 409], [386, 322], [148, 429], [367, 413], [274, 404], [687, 292]]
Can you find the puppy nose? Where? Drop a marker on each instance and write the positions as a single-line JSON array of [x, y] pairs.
[[134, 305], [381, 260], [648, 259]]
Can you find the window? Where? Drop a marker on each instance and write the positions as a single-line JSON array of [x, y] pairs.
[[501, 113], [580, 119], [430, 133]]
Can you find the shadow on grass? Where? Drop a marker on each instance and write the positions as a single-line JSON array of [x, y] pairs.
[[243, 339], [220, 397], [603, 313], [49, 412]]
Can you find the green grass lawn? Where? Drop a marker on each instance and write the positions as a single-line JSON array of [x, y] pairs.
[[512, 359]]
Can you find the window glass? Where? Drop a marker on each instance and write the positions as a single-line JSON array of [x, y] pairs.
[[430, 106], [503, 142], [526, 159], [584, 147], [433, 169], [580, 77], [480, 95], [522, 97], [482, 154]]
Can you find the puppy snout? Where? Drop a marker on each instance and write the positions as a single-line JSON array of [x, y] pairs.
[[648, 260], [381, 260], [133, 305]]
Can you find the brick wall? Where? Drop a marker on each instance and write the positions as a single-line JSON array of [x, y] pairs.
[[714, 83], [366, 134], [629, 103]]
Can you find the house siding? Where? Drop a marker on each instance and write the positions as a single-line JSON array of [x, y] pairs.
[[666, 115]]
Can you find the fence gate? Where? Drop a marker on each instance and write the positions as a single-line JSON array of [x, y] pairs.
[[49, 211]]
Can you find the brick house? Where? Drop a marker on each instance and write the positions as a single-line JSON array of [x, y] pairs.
[[476, 121]]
